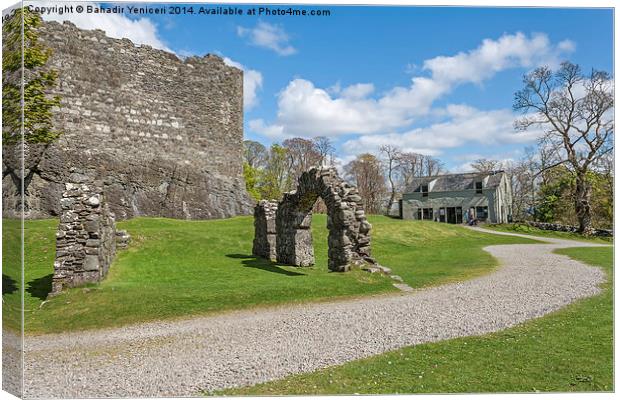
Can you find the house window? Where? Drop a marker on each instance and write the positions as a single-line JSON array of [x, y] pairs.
[[482, 213], [442, 214], [424, 190], [459, 215], [425, 213], [479, 187]]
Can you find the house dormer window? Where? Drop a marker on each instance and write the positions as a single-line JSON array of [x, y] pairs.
[[424, 190], [479, 187]]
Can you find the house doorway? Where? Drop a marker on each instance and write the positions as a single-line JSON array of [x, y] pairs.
[[454, 215]]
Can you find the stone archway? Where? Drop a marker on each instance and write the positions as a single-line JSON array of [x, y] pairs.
[[349, 231]]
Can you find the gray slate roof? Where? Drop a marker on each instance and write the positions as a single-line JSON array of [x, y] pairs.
[[456, 182]]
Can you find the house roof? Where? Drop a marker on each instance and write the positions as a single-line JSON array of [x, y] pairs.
[[456, 182]]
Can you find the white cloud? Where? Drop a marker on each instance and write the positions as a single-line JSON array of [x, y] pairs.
[[567, 46], [140, 31], [269, 36], [340, 162], [252, 82], [460, 168], [467, 127], [492, 56], [306, 110], [358, 91], [465, 160], [272, 131]]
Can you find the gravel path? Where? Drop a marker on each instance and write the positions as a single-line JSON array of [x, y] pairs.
[[243, 348]]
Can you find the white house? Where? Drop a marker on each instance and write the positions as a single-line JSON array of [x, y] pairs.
[[448, 198]]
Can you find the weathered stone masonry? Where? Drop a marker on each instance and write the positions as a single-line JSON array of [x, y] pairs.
[[163, 135], [349, 231], [264, 244], [86, 236]]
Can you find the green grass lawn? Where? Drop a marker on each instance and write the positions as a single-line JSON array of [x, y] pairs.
[[530, 230], [569, 350], [176, 268], [11, 274]]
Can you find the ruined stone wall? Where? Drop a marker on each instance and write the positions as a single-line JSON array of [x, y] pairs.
[[264, 244], [164, 135], [86, 236], [349, 230]]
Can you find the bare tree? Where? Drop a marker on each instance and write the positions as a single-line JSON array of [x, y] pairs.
[[391, 157], [575, 110], [254, 153], [521, 175], [410, 166], [528, 177], [365, 171], [414, 165], [302, 155], [323, 145], [485, 165], [432, 166]]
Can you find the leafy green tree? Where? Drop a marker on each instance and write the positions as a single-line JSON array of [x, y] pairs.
[[275, 178], [557, 196], [251, 175], [38, 104], [602, 201]]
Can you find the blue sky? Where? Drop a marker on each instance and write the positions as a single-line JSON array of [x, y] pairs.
[[434, 80]]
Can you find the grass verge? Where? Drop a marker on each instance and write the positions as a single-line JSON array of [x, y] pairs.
[[530, 230], [568, 351], [176, 268]]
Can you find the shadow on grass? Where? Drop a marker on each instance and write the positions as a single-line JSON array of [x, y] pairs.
[[40, 287], [8, 285], [261, 263]]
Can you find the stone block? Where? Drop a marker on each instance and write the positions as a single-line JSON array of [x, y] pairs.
[[93, 243], [93, 201], [91, 263]]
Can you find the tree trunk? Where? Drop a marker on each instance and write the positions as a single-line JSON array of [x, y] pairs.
[[583, 192], [392, 197], [393, 191]]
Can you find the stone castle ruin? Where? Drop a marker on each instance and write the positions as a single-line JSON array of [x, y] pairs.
[[283, 234], [143, 134], [164, 136]]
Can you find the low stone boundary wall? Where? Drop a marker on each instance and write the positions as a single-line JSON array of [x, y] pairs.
[[86, 236], [548, 226]]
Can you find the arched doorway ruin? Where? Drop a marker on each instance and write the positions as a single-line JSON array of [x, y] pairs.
[[349, 231]]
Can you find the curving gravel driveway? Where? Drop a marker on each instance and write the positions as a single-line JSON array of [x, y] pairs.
[[179, 358]]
